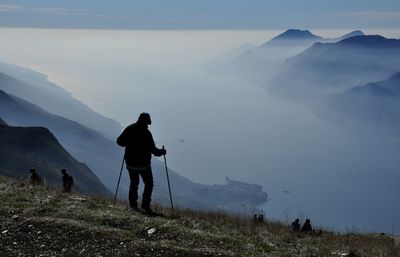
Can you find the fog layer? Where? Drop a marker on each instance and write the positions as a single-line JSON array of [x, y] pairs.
[[216, 126]]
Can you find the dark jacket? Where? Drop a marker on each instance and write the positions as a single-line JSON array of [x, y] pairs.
[[68, 181], [139, 145], [36, 179]]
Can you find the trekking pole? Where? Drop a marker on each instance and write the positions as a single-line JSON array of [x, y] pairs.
[[169, 187], [119, 179]]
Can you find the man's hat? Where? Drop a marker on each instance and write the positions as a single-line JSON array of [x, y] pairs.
[[144, 117]]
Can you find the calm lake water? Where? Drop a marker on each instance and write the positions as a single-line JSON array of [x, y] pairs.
[[215, 126]]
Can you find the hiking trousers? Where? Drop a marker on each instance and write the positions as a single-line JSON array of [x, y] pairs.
[[147, 177]]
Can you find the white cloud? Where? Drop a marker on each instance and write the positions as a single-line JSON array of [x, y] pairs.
[[52, 10], [68, 12], [11, 8], [372, 15]]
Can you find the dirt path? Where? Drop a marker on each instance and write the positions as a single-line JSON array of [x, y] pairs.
[[28, 238]]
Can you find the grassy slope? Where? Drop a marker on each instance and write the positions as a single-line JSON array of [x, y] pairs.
[[50, 223]]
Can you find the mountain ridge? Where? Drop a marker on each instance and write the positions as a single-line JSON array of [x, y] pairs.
[[258, 63], [372, 41], [329, 67], [36, 88], [24, 147], [374, 106]]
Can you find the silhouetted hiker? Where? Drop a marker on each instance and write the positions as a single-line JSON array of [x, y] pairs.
[[306, 226], [139, 146], [68, 181], [296, 225], [35, 178]]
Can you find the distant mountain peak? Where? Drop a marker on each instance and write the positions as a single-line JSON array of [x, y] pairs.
[[296, 34], [293, 37], [353, 34]]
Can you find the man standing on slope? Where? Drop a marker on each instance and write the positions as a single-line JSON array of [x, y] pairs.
[[139, 146], [68, 181]]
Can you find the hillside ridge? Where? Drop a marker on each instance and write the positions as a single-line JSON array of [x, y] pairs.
[[24, 147], [47, 223]]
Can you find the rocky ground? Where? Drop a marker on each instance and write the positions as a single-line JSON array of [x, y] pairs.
[[42, 238]]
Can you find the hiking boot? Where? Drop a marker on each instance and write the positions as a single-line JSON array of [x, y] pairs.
[[147, 209], [134, 207]]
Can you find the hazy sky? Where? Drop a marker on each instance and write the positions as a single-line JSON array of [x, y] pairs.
[[201, 14]]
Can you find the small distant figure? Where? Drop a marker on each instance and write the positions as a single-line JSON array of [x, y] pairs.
[[296, 225], [35, 178], [258, 218], [68, 181], [307, 226]]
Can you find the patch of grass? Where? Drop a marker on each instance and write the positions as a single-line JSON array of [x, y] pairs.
[[197, 233]]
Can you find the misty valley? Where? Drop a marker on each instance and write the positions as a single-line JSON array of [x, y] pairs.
[[298, 126]]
